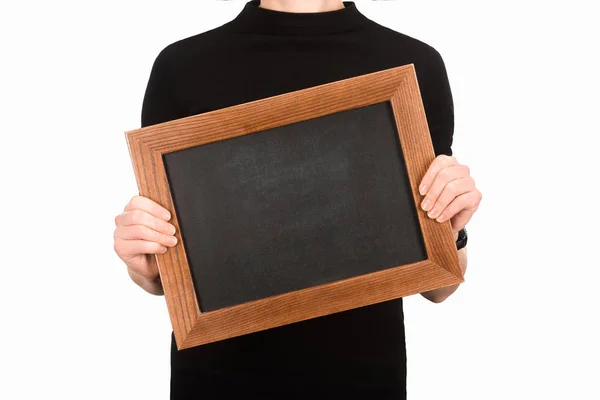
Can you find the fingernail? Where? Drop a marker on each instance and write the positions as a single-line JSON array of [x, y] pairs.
[[432, 212], [173, 240], [441, 218], [425, 204], [173, 230], [422, 189]]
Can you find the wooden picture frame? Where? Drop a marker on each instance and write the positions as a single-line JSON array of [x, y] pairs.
[[191, 326]]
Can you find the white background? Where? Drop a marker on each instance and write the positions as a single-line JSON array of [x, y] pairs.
[[525, 80]]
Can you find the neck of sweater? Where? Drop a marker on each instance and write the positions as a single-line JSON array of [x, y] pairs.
[[255, 19]]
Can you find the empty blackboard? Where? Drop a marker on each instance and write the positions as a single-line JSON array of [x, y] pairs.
[[295, 206]]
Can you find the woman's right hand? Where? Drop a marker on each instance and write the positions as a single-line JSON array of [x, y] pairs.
[[142, 230]]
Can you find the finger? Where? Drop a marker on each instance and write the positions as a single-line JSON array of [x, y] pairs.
[[452, 190], [461, 220], [150, 206], [443, 177], [466, 204], [440, 162], [140, 264], [141, 232], [127, 249], [140, 217]]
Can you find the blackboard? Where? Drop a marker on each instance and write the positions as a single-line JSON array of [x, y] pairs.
[[295, 206]]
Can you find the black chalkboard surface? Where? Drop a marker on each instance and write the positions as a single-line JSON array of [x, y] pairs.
[[295, 206]]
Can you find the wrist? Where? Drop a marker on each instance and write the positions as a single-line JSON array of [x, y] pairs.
[[460, 238]]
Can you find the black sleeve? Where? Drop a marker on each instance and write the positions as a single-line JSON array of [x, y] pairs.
[[160, 103], [437, 101]]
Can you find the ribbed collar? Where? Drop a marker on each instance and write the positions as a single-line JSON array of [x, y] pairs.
[[255, 19]]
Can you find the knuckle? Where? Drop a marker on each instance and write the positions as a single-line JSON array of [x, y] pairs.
[[153, 223], [134, 201], [474, 202], [444, 173], [158, 237], [136, 215], [138, 231], [449, 160], [152, 236], [452, 188], [479, 197], [117, 247]]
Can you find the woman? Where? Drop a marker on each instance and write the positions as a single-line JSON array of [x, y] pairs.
[[270, 48]]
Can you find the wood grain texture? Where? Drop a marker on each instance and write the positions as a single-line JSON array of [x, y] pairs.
[[173, 265], [318, 301], [399, 86], [417, 147]]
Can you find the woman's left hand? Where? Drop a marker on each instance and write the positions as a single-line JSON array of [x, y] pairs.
[[450, 192]]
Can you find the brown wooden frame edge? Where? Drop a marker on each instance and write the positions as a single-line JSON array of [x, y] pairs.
[[399, 86]]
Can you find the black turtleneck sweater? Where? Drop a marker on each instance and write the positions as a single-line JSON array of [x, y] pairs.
[[261, 53]]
